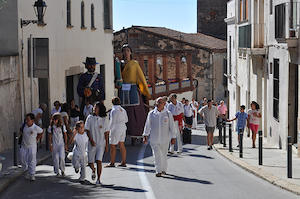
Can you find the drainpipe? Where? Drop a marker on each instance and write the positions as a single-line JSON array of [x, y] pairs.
[[213, 75], [22, 79], [31, 70]]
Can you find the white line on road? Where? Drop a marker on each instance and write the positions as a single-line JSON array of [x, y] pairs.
[[144, 180]]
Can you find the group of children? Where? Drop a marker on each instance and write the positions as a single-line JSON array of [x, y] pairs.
[[90, 139]]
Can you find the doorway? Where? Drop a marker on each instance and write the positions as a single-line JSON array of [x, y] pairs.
[[44, 98], [293, 102]]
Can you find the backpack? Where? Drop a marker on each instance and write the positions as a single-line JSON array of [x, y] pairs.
[[20, 139], [62, 131]]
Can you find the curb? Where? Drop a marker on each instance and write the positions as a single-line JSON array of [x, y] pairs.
[[5, 181], [294, 188]]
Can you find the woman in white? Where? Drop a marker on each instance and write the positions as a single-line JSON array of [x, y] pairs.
[[195, 106], [58, 143], [118, 120], [80, 140], [159, 130]]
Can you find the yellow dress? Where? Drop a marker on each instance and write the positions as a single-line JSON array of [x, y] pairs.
[[133, 74]]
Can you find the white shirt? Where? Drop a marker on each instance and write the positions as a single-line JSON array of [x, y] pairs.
[[210, 115], [57, 136], [97, 127], [160, 127], [118, 119], [176, 109], [80, 144], [29, 135], [55, 111], [188, 110], [87, 110], [194, 104], [253, 119]]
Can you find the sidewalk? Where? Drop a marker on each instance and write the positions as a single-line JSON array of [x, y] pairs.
[[11, 173], [274, 168]]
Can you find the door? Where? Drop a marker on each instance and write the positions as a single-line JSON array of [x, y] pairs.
[[44, 98], [293, 102]]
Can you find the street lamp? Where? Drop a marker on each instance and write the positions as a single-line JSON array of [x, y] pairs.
[[40, 10]]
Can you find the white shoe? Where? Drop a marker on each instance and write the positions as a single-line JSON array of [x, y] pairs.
[[93, 175], [76, 170], [98, 183], [32, 178]]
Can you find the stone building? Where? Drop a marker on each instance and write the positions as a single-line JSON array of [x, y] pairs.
[[177, 62], [263, 64], [210, 18], [41, 63]]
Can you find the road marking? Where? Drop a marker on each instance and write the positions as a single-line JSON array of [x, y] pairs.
[[144, 180]]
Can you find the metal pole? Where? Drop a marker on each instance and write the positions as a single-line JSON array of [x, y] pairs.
[[289, 157], [224, 134], [15, 149], [220, 134], [260, 148], [230, 139], [241, 143]]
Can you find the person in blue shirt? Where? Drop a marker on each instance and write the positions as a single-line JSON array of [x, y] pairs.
[[95, 91], [241, 118]]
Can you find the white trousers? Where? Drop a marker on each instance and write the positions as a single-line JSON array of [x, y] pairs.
[[178, 138], [79, 162], [160, 153], [28, 158], [58, 156], [195, 120]]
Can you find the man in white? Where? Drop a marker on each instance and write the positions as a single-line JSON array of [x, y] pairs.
[[176, 108], [30, 134], [118, 120], [210, 114], [159, 130], [195, 106], [188, 114]]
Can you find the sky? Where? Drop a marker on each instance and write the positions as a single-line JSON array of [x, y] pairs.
[[179, 15]]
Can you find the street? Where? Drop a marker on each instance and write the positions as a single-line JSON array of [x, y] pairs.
[[197, 173]]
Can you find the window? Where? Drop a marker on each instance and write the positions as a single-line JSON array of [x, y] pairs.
[[69, 13], [243, 10], [276, 89], [82, 15], [245, 36], [107, 14], [280, 21], [271, 7], [92, 16]]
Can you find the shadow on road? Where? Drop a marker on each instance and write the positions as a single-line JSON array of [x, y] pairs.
[[184, 179], [200, 156]]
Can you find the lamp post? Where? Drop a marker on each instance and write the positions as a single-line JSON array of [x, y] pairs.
[[40, 10]]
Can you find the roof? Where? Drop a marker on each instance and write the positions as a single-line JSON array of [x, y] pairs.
[[195, 39]]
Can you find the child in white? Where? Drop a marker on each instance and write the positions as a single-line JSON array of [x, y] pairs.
[[159, 128], [97, 128], [30, 134], [58, 138], [80, 140], [88, 109], [118, 120]]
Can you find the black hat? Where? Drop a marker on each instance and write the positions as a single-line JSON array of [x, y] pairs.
[[90, 61]]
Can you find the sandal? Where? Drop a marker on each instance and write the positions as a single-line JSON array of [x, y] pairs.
[[110, 166], [122, 165]]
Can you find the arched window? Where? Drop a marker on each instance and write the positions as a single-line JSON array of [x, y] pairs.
[[69, 13], [92, 16], [82, 15]]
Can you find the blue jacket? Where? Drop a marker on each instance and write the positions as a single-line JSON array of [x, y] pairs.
[[98, 84]]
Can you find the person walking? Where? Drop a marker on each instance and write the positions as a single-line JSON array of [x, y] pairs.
[[188, 114], [97, 127], [176, 108], [30, 134], [80, 140], [58, 143], [195, 106], [118, 120], [253, 120], [209, 114], [160, 131], [56, 108], [241, 118]]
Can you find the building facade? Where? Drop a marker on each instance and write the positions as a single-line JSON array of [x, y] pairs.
[[177, 62], [42, 62], [210, 18], [265, 49]]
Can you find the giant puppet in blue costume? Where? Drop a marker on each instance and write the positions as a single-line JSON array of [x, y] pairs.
[[90, 85]]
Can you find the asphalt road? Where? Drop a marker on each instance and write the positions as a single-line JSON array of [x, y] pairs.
[[197, 173]]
